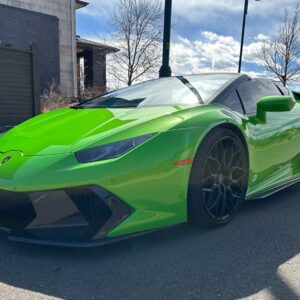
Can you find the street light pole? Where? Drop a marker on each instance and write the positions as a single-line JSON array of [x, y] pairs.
[[165, 70], [243, 33]]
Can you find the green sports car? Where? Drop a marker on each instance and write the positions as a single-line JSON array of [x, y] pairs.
[[163, 152]]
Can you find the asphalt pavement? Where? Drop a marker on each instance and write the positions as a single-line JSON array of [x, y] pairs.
[[257, 256]]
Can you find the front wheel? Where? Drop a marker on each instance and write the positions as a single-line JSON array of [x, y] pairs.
[[218, 181]]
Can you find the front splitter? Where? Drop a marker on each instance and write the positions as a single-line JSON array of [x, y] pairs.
[[91, 244]]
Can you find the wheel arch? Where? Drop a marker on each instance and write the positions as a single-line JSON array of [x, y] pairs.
[[237, 130]]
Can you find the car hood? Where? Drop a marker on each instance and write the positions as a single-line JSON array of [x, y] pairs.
[[67, 130]]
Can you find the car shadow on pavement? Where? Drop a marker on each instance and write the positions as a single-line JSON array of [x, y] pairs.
[[181, 262]]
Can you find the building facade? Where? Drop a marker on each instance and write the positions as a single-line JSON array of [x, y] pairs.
[[91, 60], [51, 26]]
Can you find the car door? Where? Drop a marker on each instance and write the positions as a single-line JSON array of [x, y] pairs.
[[275, 144]]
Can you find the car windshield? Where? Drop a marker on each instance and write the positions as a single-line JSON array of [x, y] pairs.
[[172, 91]]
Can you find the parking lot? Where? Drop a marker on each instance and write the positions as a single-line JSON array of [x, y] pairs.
[[254, 257]]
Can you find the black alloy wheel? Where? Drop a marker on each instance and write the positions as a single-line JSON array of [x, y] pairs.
[[218, 181]]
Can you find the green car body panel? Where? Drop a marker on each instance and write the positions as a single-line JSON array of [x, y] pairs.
[[148, 177]]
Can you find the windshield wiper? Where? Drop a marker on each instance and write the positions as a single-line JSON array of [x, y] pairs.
[[76, 106], [191, 87]]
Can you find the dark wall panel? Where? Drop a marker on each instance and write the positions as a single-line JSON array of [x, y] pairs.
[[99, 69], [19, 27], [16, 87]]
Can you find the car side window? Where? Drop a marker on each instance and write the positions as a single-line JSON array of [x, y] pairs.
[[233, 102], [253, 90], [283, 89]]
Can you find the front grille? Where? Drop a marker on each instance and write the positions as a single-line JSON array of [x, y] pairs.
[[90, 205]]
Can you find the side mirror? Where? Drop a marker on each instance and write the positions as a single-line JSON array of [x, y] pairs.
[[274, 104], [296, 96]]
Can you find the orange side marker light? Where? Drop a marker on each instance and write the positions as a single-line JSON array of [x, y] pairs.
[[184, 162]]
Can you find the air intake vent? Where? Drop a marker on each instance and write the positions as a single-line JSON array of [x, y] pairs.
[[90, 206], [16, 210]]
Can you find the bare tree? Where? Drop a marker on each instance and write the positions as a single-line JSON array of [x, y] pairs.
[[138, 34], [281, 56]]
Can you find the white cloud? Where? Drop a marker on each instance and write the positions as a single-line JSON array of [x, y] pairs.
[[262, 38], [211, 52]]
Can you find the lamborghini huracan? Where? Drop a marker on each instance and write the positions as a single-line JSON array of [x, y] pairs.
[[163, 152]]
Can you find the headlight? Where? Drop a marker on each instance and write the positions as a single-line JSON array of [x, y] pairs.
[[112, 150]]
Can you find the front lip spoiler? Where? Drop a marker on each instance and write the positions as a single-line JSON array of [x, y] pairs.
[[96, 243]]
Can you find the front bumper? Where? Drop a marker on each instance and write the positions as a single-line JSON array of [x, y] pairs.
[[81, 216]]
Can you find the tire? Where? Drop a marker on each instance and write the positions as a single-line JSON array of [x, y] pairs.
[[218, 179]]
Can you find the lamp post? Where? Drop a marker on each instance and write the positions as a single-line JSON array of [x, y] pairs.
[[165, 70], [243, 33]]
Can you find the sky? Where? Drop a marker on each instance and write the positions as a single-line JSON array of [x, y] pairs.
[[206, 34]]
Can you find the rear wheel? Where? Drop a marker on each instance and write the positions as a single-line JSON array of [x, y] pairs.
[[218, 181]]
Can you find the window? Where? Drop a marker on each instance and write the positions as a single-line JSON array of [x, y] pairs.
[[253, 90], [233, 102], [209, 85], [181, 91], [283, 89]]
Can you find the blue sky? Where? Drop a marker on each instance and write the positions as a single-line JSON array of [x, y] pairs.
[[207, 32]]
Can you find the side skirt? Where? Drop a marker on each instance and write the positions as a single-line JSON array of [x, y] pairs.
[[272, 190]]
